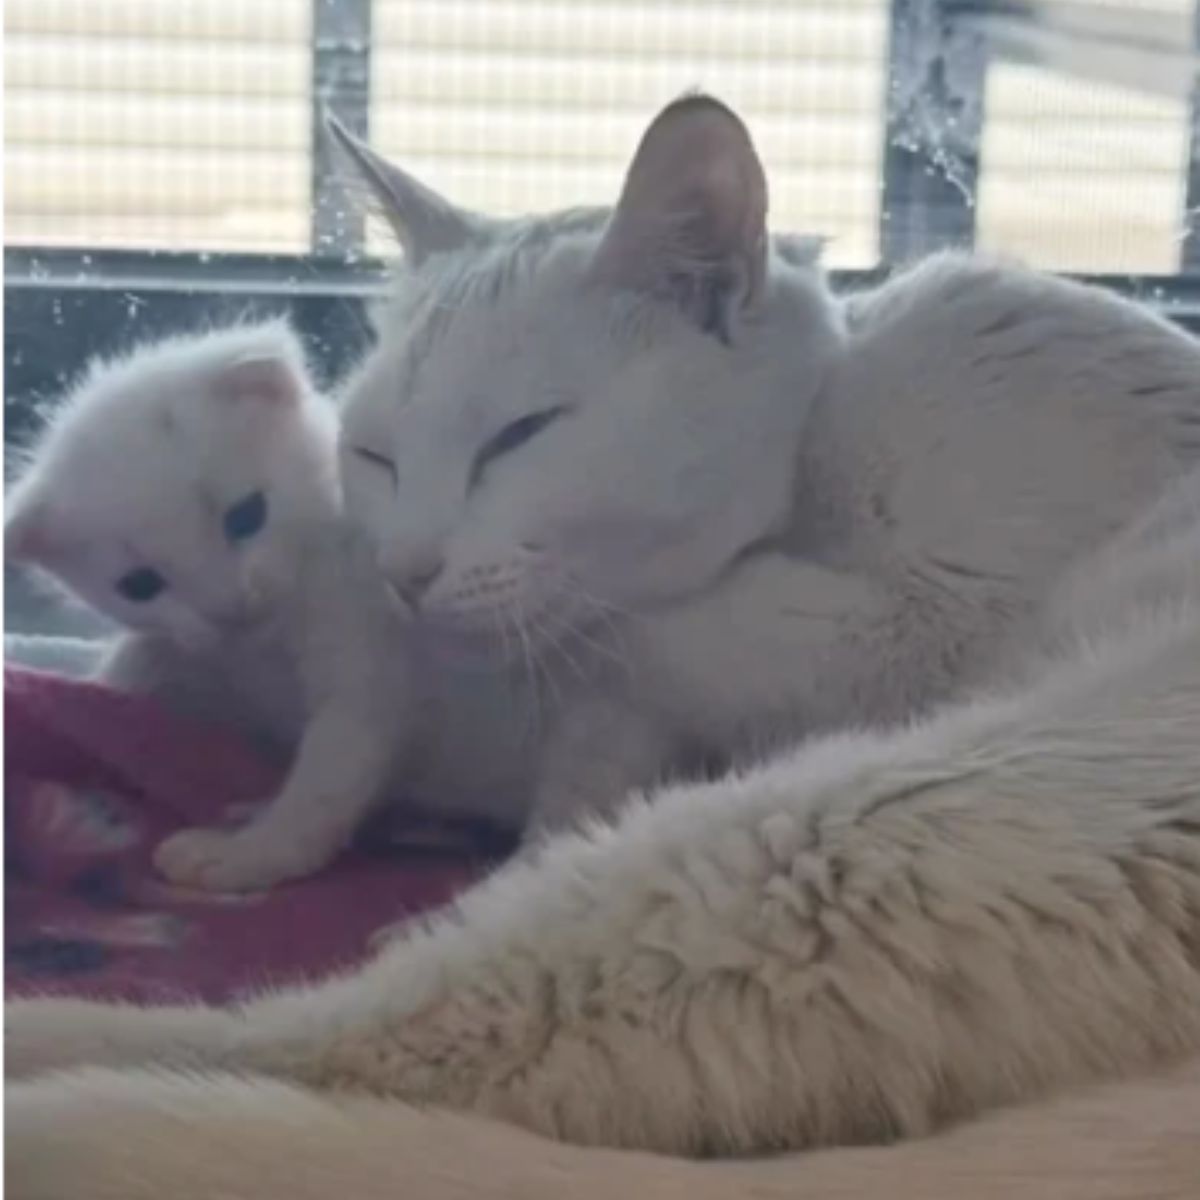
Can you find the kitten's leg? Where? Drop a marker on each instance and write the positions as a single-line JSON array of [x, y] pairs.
[[341, 767], [865, 939], [113, 1136]]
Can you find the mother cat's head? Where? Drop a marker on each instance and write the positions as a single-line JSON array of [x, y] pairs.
[[589, 410]]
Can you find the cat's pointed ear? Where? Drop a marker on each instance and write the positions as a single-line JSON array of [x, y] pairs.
[[265, 378], [425, 222], [691, 222]]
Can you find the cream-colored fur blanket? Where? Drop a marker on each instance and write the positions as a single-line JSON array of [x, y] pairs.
[[108, 1138]]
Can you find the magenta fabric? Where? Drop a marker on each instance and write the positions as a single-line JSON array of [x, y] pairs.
[[94, 779]]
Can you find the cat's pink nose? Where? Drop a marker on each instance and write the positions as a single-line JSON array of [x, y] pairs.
[[417, 580]]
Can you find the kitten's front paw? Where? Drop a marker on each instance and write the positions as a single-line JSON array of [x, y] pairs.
[[220, 860]]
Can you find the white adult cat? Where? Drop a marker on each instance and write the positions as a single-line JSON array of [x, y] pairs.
[[655, 448], [190, 492]]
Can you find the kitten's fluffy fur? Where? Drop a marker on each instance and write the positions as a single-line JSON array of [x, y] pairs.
[[286, 632], [725, 510]]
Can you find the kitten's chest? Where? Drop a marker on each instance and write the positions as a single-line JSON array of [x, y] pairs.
[[266, 679]]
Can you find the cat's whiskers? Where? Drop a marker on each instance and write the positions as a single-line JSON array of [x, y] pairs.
[[530, 673], [528, 625], [546, 635], [501, 627], [610, 610], [512, 614], [618, 650], [616, 653]]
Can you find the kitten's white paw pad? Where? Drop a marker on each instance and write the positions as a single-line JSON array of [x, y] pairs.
[[222, 860]]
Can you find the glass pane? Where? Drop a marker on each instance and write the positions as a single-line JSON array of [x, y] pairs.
[[147, 123], [1089, 174], [515, 106]]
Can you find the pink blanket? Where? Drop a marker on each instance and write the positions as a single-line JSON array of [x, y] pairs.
[[94, 779]]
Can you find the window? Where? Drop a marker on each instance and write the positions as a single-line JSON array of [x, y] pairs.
[[1082, 176], [522, 105], [165, 166], [1045, 129], [1087, 130], [155, 124]]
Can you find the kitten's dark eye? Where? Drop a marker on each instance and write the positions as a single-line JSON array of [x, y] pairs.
[[141, 585], [510, 438], [376, 459], [245, 518]]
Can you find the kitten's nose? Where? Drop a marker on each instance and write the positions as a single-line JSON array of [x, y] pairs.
[[417, 580]]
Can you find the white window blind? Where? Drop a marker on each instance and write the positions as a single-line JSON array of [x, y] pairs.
[[180, 124], [1081, 175], [519, 105], [186, 124]]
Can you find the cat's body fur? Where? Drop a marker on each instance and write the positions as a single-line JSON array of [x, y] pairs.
[[924, 535]]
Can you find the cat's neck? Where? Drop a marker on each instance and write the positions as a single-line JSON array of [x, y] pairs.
[[784, 386]]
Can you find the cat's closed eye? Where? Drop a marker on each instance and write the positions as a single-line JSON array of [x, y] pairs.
[[141, 585], [375, 459], [512, 436], [245, 518]]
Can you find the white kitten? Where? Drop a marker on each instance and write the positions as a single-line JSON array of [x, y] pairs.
[[190, 492], [653, 447]]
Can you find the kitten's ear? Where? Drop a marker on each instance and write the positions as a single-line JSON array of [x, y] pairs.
[[267, 379], [425, 222], [25, 528], [800, 249], [691, 222]]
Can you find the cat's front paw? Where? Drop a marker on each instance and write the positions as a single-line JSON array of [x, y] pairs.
[[221, 860]]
